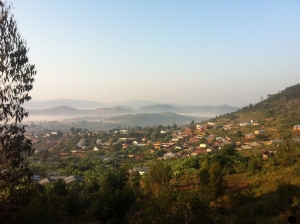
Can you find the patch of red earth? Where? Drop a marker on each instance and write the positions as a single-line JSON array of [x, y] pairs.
[[187, 186], [236, 187]]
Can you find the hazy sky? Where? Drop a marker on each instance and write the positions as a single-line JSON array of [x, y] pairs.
[[186, 52]]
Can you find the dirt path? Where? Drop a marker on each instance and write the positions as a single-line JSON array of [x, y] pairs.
[[267, 122]]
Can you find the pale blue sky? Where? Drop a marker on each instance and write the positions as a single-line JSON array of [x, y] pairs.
[[186, 52]]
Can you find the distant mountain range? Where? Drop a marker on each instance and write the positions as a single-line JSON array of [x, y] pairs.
[[79, 104], [158, 108], [63, 107], [85, 104], [280, 111], [133, 104], [71, 112], [119, 121], [65, 111]]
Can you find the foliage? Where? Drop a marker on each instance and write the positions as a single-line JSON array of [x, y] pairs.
[[217, 184], [16, 80], [158, 177], [172, 207]]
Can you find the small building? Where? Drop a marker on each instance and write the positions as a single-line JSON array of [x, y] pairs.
[[56, 178], [169, 155], [268, 153], [214, 148], [296, 139], [144, 139], [130, 156], [35, 178], [211, 123], [194, 139], [140, 145], [157, 146], [244, 124], [50, 174], [99, 141], [246, 147], [249, 136], [142, 170], [276, 141], [199, 127], [254, 144], [46, 181], [296, 127], [124, 132], [72, 178], [259, 132], [51, 177], [81, 142], [228, 126], [199, 152]]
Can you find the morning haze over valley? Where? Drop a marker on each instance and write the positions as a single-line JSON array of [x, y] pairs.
[[149, 112], [85, 110]]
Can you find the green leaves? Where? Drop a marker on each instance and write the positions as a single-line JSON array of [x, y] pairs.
[[16, 78]]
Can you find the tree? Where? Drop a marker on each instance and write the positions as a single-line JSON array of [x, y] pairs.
[[15, 83], [239, 134], [158, 177], [204, 176], [78, 130], [59, 133], [72, 129], [228, 150], [44, 155], [217, 184]]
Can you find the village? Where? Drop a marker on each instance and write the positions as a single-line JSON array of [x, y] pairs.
[[140, 145]]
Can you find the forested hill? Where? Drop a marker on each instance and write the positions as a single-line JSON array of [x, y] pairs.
[[282, 109], [277, 103]]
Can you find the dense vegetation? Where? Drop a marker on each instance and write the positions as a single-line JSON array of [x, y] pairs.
[[279, 111], [227, 187]]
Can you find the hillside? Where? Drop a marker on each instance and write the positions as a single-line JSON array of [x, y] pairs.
[[158, 108], [134, 104], [213, 110], [65, 111], [57, 111], [145, 119], [86, 104], [279, 111]]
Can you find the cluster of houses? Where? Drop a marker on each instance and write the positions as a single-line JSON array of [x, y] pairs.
[[54, 177], [183, 142]]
